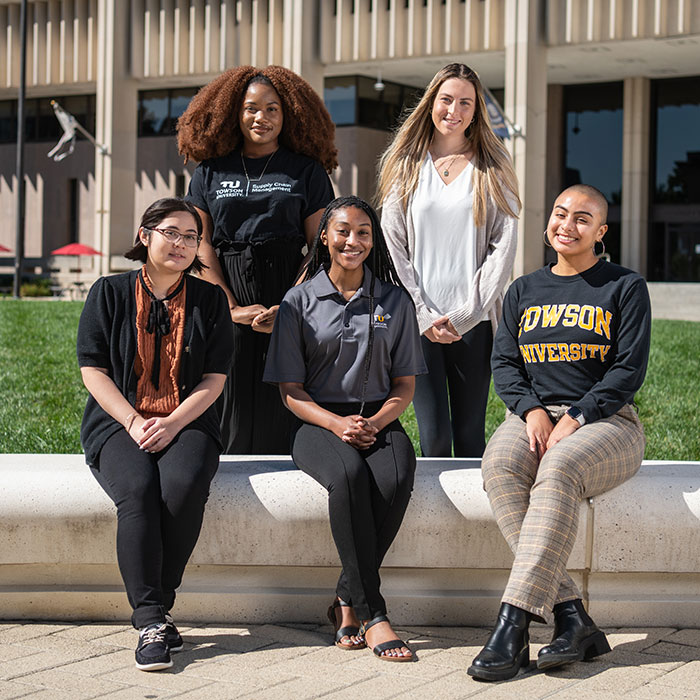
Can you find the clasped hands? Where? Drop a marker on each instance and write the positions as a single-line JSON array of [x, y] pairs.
[[153, 434], [257, 316], [356, 431], [544, 434], [442, 331]]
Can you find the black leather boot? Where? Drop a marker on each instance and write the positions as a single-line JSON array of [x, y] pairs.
[[575, 637], [508, 647]]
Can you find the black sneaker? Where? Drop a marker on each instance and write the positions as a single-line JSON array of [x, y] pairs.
[[172, 636], [152, 653]]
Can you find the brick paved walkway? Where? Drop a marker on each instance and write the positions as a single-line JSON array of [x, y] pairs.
[[50, 661]]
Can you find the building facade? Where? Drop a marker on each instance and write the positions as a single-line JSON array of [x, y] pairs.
[[602, 91]]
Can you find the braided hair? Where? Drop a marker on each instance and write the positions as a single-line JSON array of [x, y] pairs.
[[379, 263]]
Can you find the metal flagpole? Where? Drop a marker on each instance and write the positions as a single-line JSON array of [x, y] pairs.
[[19, 237], [503, 126], [70, 125]]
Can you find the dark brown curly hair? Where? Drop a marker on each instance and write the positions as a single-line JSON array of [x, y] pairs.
[[209, 126]]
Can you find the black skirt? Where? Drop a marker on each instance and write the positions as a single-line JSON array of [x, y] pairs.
[[253, 418]]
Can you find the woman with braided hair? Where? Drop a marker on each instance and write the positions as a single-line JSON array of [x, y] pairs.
[[344, 352], [265, 146]]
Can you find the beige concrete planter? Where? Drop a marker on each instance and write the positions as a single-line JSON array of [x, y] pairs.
[[266, 552]]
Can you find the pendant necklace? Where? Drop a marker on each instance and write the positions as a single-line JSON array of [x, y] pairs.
[[257, 179], [446, 171]]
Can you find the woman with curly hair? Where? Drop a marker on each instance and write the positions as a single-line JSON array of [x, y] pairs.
[[449, 212], [344, 353], [265, 143]]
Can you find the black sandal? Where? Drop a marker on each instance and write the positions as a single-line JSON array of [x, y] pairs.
[[347, 631], [386, 646]]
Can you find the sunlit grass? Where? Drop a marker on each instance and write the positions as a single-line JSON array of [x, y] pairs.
[[42, 397]]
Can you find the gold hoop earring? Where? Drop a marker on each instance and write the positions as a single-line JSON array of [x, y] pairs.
[[602, 254], [546, 240]]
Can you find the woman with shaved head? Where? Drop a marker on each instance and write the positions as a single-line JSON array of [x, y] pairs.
[[568, 358]]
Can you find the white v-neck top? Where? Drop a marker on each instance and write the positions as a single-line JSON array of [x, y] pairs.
[[445, 246]]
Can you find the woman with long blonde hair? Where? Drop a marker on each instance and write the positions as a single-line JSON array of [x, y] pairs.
[[450, 204]]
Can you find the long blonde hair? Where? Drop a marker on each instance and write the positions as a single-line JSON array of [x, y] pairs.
[[400, 164]]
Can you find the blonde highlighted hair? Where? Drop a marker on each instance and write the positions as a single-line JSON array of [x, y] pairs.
[[400, 164]]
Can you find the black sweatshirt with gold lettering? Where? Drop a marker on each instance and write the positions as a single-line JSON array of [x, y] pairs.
[[580, 340]]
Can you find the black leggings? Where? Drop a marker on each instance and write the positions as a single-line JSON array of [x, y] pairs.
[[368, 493], [160, 501], [464, 369]]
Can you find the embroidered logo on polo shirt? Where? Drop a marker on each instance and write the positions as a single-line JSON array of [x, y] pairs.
[[380, 320]]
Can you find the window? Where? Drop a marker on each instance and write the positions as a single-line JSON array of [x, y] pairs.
[[593, 147], [8, 121], [40, 122], [159, 110], [353, 100], [340, 96], [73, 209], [676, 104], [179, 185], [674, 240]]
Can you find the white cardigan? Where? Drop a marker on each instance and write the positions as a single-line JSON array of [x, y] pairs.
[[496, 242]]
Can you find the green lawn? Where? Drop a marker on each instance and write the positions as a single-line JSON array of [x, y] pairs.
[[42, 398]]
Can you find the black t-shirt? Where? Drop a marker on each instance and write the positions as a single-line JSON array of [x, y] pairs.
[[292, 187], [577, 340]]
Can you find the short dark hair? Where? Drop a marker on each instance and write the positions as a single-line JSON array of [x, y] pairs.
[[159, 210], [593, 193]]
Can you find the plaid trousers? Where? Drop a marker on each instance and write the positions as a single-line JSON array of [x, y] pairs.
[[536, 503]]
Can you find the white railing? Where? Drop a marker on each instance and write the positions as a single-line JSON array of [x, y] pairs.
[[61, 43], [363, 30], [592, 21], [193, 38]]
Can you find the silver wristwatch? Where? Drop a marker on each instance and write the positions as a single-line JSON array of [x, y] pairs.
[[577, 414]]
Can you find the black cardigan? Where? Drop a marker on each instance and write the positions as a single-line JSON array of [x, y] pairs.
[[107, 339]]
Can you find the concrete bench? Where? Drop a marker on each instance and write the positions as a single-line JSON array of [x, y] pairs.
[[266, 552]]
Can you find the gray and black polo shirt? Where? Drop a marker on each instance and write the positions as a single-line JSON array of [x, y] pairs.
[[319, 340]]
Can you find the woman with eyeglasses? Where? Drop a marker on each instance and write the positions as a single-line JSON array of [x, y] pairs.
[[154, 346], [265, 145]]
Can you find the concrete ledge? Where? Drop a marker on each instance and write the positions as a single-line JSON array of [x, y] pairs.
[[266, 552]]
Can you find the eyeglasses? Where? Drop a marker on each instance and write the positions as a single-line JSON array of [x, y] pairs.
[[189, 239]]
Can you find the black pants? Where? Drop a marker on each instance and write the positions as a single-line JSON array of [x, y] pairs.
[[160, 501], [253, 418], [450, 401], [368, 493]]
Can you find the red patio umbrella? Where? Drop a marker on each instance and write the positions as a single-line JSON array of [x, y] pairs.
[[76, 249]]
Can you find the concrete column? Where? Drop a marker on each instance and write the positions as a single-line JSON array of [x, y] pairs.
[[635, 173], [116, 128], [556, 157], [526, 105], [302, 43]]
